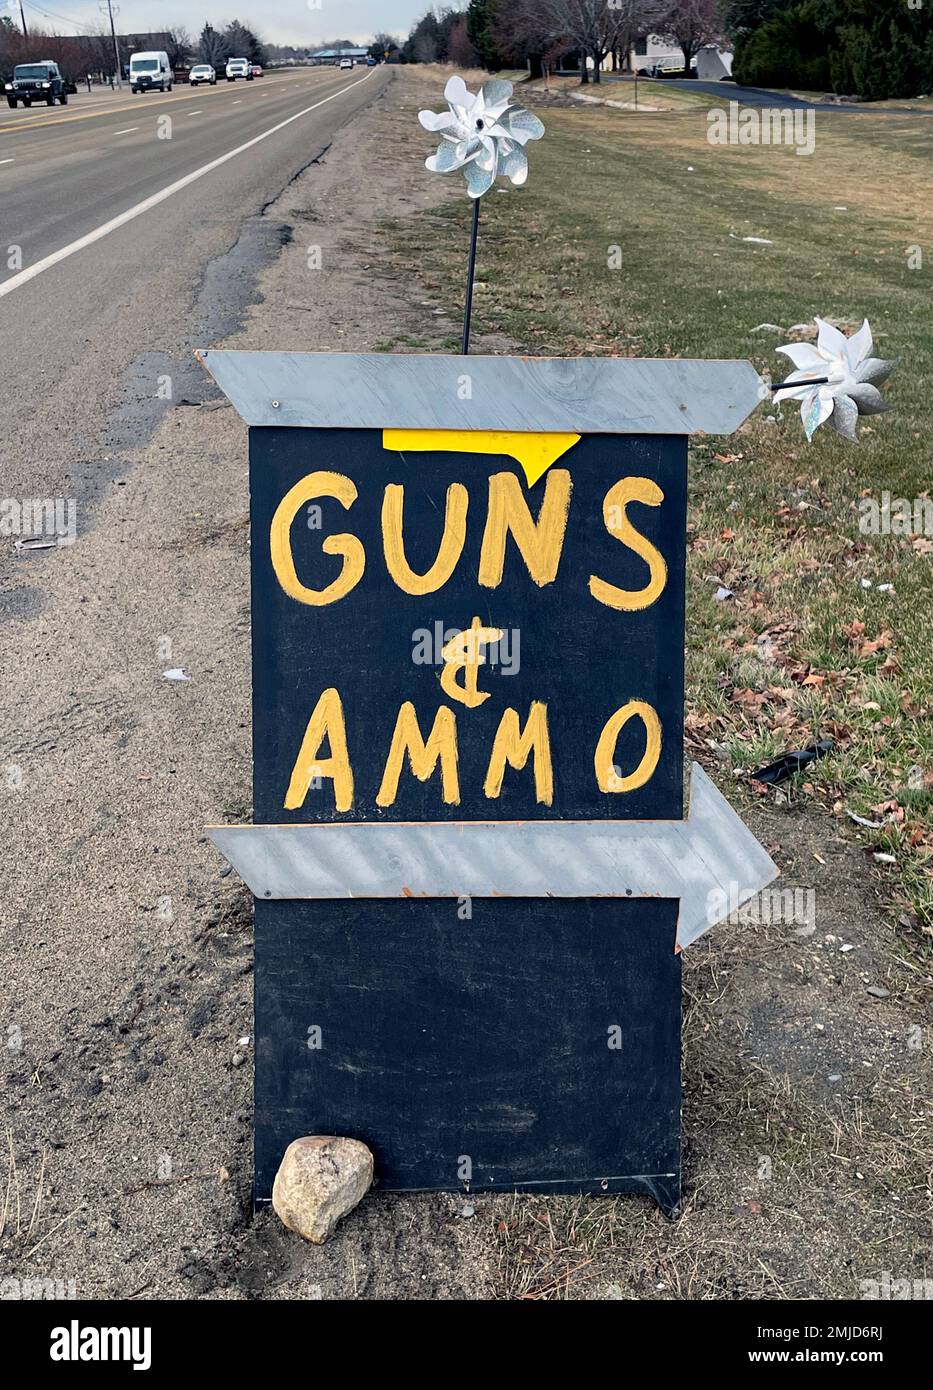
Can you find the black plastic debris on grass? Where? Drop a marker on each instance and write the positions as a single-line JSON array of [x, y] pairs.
[[789, 763]]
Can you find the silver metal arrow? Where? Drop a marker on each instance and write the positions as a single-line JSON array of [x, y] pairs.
[[711, 862]]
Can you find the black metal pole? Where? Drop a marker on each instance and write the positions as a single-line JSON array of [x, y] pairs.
[[471, 271], [810, 381]]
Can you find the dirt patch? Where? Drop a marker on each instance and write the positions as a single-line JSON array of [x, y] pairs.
[[806, 1139]]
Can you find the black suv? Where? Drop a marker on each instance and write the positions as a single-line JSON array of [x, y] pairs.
[[37, 82]]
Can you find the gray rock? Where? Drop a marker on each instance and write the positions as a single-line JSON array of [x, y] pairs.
[[319, 1180]]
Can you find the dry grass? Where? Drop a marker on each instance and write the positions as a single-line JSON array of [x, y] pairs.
[[799, 1185], [15, 1229], [810, 645]]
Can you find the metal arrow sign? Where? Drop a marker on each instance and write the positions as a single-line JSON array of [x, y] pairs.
[[706, 860], [476, 893]]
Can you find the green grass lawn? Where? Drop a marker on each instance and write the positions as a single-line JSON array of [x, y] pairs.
[[810, 646]]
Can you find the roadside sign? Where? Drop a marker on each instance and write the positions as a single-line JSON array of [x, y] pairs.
[[470, 858]]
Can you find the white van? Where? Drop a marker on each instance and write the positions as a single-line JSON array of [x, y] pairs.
[[150, 70]]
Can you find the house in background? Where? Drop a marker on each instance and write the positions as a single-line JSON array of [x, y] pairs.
[[328, 56], [712, 63], [651, 51], [651, 55]]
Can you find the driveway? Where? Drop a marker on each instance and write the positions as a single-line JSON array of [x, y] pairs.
[[761, 96]]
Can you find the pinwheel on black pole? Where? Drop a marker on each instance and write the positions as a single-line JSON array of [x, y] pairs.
[[484, 135], [836, 381]]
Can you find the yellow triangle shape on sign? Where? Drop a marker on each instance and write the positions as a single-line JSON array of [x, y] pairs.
[[535, 452]]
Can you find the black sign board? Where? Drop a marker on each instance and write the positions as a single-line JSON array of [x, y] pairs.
[[451, 628], [380, 647]]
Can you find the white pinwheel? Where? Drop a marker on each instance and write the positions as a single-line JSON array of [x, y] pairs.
[[847, 379], [482, 134]]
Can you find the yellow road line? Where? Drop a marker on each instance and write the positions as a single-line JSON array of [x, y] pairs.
[[154, 199], [31, 123]]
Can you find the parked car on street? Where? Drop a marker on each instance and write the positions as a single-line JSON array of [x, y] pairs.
[[239, 67], [36, 82], [149, 71], [201, 73]]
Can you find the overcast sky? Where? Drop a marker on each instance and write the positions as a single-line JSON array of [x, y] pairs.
[[279, 21]]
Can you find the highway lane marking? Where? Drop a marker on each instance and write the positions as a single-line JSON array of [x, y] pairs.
[[36, 122], [7, 161], [30, 273], [129, 130], [195, 113]]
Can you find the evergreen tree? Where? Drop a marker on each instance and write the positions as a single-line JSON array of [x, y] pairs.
[[874, 49], [242, 42], [212, 47], [790, 50], [481, 31], [741, 18]]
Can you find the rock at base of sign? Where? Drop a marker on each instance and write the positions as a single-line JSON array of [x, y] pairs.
[[319, 1180]]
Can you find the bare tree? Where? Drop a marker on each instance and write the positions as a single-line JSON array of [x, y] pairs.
[[593, 28], [523, 31], [460, 51], [691, 24], [637, 19], [383, 45], [179, 46]]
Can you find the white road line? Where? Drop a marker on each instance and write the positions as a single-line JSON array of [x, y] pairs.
[[6, 161], [129, 130], [30, 273], [194, 113], [238, 102]]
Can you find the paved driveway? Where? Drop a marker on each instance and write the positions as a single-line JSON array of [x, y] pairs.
[[759, 96]]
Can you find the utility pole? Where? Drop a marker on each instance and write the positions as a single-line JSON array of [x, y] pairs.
[[22, 16], [116, 46]]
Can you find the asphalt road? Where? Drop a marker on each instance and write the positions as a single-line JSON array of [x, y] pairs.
[[80, 299], [760, 96], [66, 170]]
